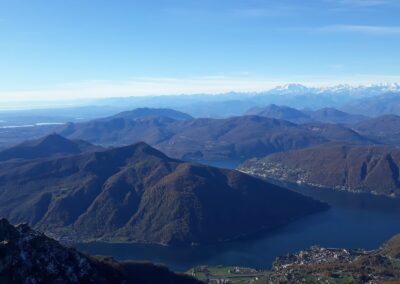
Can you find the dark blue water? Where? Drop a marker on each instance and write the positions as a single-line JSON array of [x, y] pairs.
[[338, 227], [354, 221], [225, 164]]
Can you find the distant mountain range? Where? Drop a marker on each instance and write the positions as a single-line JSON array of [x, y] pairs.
[[332, 115], [371, 100], [181, 136], [387, 103], [205, 139], [367, 90], [325, 115], [10, 137], [48, 146], [369, 169], [235, 138], [137, 194], [145, 113], [385, 129], [338, 133], [28, 256], [234, 103], [281, 112], [347, 98]]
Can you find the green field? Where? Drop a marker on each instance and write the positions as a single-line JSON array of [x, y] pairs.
[[211, 274]]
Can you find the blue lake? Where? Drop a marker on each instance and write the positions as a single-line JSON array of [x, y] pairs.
[[354, 221], [225, 164]]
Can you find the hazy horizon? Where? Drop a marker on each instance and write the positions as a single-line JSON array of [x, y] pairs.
[[81, 100]]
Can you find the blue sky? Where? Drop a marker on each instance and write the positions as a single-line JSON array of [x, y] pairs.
[[62, 49]]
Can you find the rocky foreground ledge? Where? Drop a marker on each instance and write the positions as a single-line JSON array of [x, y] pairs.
[[27, 256]]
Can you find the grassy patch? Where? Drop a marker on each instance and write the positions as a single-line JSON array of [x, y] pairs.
[[244, 275]]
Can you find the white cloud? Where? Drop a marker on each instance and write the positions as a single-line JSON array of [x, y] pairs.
[[363, 29], [272, 10], [364, 3]]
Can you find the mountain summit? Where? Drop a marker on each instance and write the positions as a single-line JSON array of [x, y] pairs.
[[138, 194], [141, 113], [281, 112]]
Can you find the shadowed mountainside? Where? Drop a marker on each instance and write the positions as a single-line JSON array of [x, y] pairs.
[[137, 194], [281, 112], [332, 115], [236, 137], [385, 129], [338, 133], [210, 139], [141, 113], [372, 169], [324, 115]]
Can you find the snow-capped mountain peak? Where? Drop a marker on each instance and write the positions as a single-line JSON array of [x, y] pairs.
[[291, 89], [360, 90]]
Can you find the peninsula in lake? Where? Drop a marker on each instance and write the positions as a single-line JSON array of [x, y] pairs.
[[137, 194]]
